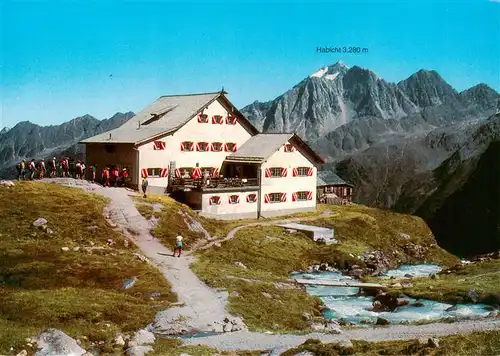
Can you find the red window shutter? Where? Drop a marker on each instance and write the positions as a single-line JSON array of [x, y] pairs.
[[197, 146], [284, 172], [226, 149], [309, 195], [267, 199], [294, 196], [283, 197], [164, 172], [182, 147], [163, 145], [216, 172], [234, 147], [268, 172], [177, 173], [309, 171], [295, 172], [144, 173]]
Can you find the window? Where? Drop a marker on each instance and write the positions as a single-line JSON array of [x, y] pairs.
[[302, 172], [301, 196], [187, 146], [231, 120], [214, 200], [289, 147], [159, 145], [251, 198], [230, 147], [217, 119], [110, 148], [275, 198], [154, 172], [217, 146], [275, 172], [234, 199], [202, 146], [203, 118]]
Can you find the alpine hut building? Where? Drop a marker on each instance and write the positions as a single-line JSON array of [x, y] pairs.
[[332, 189], [202, 151]]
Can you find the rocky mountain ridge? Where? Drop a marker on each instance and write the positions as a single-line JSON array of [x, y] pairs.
[[28, 140]]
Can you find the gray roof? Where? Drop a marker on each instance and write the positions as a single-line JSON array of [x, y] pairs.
[[260, 147], [329, 178], [172, 113]]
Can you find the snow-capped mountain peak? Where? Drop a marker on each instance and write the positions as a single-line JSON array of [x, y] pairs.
[[319, 73]]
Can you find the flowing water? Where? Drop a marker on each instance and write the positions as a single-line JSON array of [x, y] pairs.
[[342, 302]]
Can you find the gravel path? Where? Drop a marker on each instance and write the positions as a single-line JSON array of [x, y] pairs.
[[262, 341], [203, 306]]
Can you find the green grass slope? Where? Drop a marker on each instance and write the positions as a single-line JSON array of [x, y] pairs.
[[79, 292]]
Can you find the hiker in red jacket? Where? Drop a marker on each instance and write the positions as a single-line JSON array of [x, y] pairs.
[[105, 177], [115, 174], [65, 167], [124, 176]]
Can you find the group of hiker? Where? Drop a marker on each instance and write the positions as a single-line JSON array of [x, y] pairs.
[[53, 168], [66, 167]]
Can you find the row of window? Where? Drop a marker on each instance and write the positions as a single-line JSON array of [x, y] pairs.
[[188, 146], [206, 146], [217, 119], [268, 198], [277, 172]]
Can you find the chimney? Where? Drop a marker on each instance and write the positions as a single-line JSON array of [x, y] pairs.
[[109, 136], [138, 125]]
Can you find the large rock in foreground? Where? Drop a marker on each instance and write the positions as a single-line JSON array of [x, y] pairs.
[[53, 342]]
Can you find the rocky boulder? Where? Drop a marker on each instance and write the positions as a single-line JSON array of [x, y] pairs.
[[139, 350], [387, 302], [53, 342], [142, 337]]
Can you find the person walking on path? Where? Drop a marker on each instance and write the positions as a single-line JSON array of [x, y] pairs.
[[52, 166], [178, 245], [78, 168], [105, 177], [21, 170], [32, 169], [124, 177], [41, 169], [92, 173], [144, 186], [115, 174]]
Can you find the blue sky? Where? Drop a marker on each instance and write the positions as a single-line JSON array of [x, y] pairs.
[[57, 57]]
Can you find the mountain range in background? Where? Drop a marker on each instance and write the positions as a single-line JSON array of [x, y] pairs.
[[28, 140], [417, 146], [411, 146]]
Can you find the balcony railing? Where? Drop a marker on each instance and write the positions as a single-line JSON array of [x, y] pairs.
[[213, 182]]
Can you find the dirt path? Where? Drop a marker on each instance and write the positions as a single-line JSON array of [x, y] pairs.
[[203, 306], [232, 233]]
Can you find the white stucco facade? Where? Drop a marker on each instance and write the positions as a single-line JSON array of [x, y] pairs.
[[297, 192], [288, 185], [222, 205], [195, 132]]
